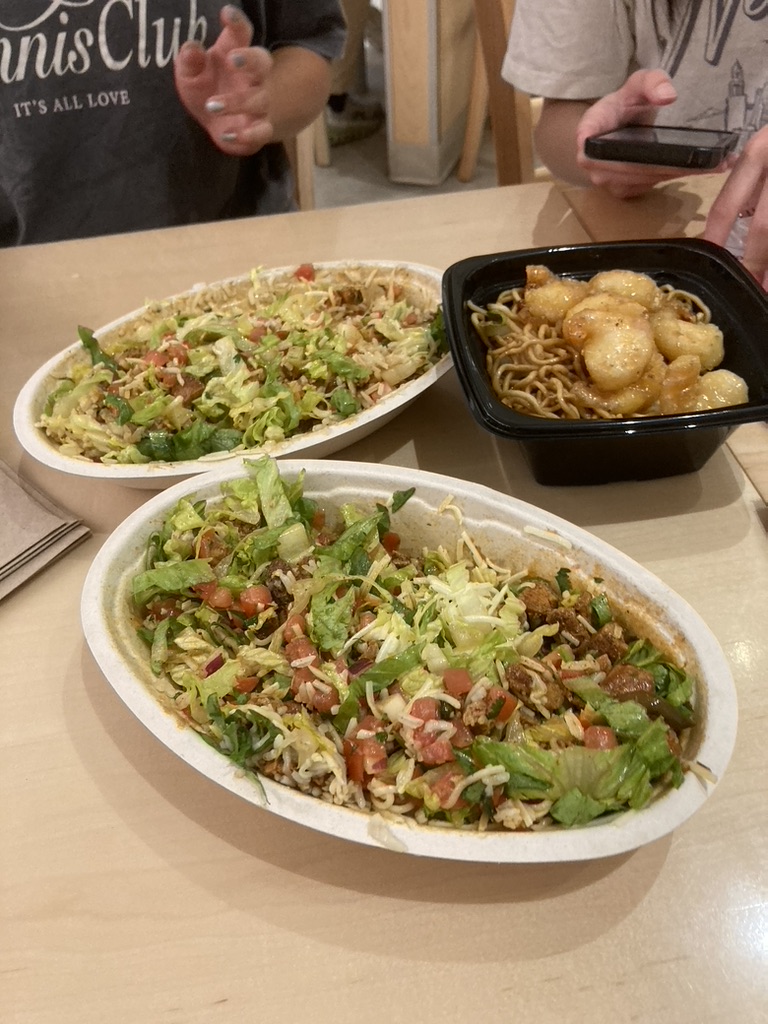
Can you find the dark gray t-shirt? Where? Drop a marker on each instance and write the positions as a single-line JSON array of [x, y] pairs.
[[93, 137]]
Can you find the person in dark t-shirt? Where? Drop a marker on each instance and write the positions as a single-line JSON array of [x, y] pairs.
[[122, 115]]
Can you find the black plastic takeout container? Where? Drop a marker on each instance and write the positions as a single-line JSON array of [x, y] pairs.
[[566, 452]]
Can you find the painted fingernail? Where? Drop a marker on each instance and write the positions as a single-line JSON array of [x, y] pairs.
[[214, 106], [238, 60], [229, 137]]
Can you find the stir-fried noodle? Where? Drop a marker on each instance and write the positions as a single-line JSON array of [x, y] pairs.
[[544, 357], [532, 368]]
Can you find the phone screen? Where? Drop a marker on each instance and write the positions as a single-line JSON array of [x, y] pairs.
[[669, 146], [659, 135]]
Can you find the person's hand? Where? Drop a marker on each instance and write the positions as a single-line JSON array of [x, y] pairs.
[[636, 102], [745, 191], [227, 87]]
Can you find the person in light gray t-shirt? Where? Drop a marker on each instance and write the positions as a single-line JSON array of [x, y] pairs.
[[601, 64], [121, 115]]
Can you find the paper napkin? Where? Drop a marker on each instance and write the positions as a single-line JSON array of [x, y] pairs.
[[34, 531]]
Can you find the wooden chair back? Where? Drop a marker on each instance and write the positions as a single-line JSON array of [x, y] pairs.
[[511, 112], [301, 157]]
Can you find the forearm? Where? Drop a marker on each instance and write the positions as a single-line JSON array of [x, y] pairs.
[[300, 83], [555, 138]]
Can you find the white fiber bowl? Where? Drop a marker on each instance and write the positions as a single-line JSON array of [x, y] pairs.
[[507, 531], [325, 440]]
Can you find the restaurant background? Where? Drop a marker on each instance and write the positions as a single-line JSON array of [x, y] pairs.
[[376, 168], [132, 889]]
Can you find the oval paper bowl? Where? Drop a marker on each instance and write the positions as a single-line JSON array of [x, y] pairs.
[[506, 530], [325, 440]]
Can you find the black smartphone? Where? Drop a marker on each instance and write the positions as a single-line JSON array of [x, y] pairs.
[[665, 146]]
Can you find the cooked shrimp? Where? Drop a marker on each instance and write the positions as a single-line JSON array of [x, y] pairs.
[[677, 389], [718, 388], [629, 285], [675, 337], [628, 401], [549, 297], [615, 339]]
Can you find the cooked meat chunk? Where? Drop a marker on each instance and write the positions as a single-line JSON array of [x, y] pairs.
[[608, 640], [521, 683], [272, 579], [583, 602], [626, 679], [539, 600], [185, 386], [556, 695], [570, 624]]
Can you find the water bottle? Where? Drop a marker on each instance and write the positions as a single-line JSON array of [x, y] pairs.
[[737, 238]]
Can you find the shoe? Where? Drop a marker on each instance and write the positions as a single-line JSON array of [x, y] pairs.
[[358, 118]]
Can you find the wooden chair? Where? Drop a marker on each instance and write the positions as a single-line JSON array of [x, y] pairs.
[[305, 150], [512, 113]]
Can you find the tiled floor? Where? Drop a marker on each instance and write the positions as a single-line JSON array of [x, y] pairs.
[[358, 170], [358, 174]]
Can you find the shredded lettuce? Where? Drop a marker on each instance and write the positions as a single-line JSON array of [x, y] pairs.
[[264, 363], [170, 578], [310, 648]]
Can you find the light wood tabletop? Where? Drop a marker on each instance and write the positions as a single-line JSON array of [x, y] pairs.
[[675, 209], [136, 890]]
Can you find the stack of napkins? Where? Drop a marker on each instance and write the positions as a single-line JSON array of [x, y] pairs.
[[33, 531]]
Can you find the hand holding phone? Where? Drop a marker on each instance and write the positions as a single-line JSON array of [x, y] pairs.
[[662, 146]]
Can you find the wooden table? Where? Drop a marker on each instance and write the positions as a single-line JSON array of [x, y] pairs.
[[134, 890], [677, 208]]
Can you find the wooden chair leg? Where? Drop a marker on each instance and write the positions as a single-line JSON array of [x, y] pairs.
[[302, 156], [477, 114], [322, 147]]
